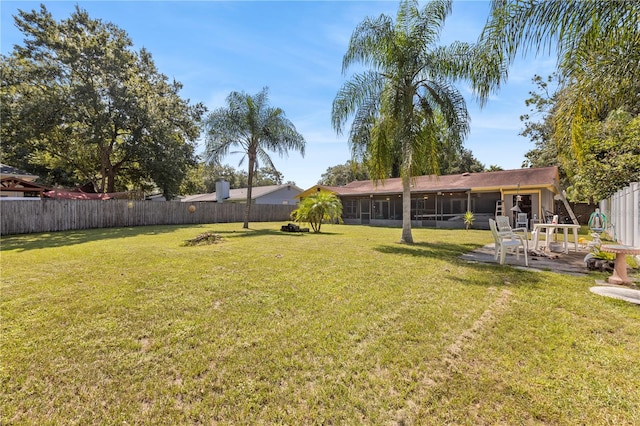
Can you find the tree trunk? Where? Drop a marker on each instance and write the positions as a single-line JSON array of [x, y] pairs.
[[247, 210], [407, 238], [111, 180]]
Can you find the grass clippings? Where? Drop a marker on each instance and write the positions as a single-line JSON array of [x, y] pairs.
[[204, 238], [343, 327]]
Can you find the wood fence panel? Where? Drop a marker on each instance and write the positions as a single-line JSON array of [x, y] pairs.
[[50, 215]]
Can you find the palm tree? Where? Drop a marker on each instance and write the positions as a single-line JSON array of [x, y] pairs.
[[249, 123], [598, 47], [318, 207], [398, 106]]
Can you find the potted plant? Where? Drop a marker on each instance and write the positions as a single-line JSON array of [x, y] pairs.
[[599, 260]]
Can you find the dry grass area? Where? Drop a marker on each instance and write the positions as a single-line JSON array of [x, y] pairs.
[[131, 326]]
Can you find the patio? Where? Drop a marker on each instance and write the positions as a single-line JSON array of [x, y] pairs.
[[571, 263]]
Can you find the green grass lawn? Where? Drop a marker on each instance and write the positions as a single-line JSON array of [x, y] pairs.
[[129, 326]]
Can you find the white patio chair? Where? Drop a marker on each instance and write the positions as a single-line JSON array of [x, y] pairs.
[[522, 221], [504, 227], [507, 242]]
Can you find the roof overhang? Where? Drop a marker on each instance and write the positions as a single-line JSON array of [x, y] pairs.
[[14, 184], [504, 182]]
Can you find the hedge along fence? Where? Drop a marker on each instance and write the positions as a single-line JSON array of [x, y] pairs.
[[50, 215]]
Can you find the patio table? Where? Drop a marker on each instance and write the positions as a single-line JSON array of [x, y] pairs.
[[620, 266], [549, 227]]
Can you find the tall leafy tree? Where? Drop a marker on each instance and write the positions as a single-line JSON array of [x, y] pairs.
[[268, 176], [202, 178], [342, 174], [539, 127], [76, 97], [408, 87], [461, 161], [539, 123], [611, 157], [255, 128], [609, 150]]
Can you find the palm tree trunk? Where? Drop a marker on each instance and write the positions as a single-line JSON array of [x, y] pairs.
[[407, 237], [247, 210]]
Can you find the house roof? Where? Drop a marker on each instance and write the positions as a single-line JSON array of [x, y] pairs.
[[15, 184], [240, 194], [503, 180], [10, 171], [76, 195]]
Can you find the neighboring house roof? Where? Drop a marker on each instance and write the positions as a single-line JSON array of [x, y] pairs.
[[160, 197], [240, 194], [76, 195], [14, 184], [543, 177], [10, 171]]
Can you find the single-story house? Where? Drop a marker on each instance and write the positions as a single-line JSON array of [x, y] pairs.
[[441, 201], [286, 194], [16, 183]]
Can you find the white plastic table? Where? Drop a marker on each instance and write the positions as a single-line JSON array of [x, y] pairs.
[[549, 228]]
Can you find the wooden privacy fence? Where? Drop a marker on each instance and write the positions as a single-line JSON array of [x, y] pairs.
[[49, 215]]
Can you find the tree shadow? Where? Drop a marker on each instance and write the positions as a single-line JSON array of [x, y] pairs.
[[24, 242], [272, 232], [438, 250], [518, 276]]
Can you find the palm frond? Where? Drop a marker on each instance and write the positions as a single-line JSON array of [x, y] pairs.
[[361, 89], [515, 26], [429, 21], [450, 104], [369, 42]]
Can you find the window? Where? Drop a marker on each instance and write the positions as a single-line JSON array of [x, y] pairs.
[[380, 209], [459, 205], [350, 209]]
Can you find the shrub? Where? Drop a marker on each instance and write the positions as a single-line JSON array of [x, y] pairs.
[[469, 218], [321, 206]]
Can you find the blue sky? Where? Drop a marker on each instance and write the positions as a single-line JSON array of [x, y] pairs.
[[295, 48]]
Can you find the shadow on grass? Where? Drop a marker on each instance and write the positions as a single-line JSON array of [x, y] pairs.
[[272, 232], [25, 242], [438, 250], [511, 276]]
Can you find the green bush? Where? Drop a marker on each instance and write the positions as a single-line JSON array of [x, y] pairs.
[[321, 206], [469, 218]]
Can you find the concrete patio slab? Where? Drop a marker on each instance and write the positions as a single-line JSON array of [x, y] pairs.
[[571, 263], [622, 293]]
